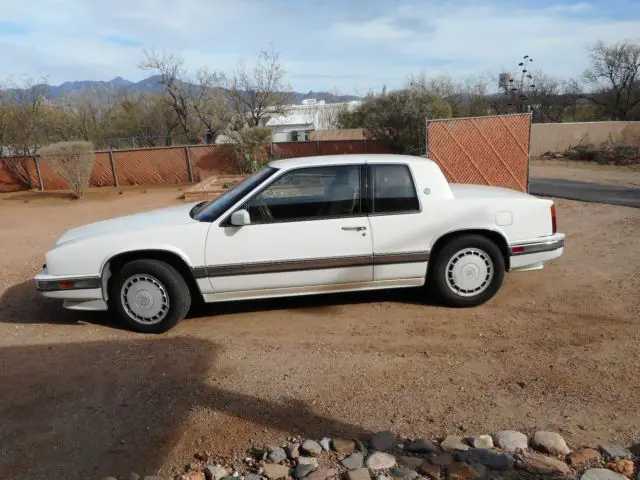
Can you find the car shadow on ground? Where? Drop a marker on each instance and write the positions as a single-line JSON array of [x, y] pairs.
[[23, 304], [87, 410]]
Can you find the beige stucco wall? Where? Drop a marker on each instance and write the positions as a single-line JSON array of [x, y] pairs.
[[558, 137]]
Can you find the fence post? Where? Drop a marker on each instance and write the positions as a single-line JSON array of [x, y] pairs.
[[189, 168], [38, 174], [114, 172]]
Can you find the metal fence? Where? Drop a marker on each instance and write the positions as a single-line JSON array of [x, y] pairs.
[[490, 150]]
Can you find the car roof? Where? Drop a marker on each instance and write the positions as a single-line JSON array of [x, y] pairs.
[[346, 159]]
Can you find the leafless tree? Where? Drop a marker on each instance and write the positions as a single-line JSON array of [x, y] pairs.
[[256, 94]]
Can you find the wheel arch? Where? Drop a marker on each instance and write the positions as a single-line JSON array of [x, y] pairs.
[[177, 261], [495, 236]]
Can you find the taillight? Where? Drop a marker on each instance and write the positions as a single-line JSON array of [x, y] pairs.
[[554, 221]]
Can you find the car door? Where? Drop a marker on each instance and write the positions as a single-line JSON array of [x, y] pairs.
[[308, 230], [400, 235]]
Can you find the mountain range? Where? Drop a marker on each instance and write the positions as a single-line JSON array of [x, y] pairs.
[[101, 91]]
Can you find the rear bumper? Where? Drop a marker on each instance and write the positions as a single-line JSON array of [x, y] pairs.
[[77, 293], [532, 254]]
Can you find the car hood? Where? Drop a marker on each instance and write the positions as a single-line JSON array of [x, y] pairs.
[[176, 215]]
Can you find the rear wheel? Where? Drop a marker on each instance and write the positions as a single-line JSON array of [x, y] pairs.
[[149, 296], [468, 271]]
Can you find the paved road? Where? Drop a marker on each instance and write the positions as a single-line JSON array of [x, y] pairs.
[[586, 192]]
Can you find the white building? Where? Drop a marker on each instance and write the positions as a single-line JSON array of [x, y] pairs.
[[298, 121]]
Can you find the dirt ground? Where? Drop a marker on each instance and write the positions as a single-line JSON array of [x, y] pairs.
[[80, 397]]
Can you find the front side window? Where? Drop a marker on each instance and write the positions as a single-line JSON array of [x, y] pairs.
[[393, 189], [309, 194]]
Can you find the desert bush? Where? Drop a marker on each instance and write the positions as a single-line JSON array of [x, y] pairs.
[[248, 148], [73, 161], [608, 152]]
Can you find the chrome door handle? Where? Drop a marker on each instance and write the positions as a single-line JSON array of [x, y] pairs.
[[357, 229]]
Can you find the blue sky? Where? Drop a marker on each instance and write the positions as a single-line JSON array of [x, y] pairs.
[[348, 46]]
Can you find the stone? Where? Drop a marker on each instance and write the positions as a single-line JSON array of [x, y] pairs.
[[302, 470], [312, 447], [421, 446], [486, 458], [601, 474], [325, 443], [442, 459], [293, 451], [308, 461], [510, 440], [362, 447], [454, 442], [152, 477], [635, 449], [460, 471], [482, 441], [359, 474], [431, 471], [195, 476], [343, 446], [275, 471], [276, 454], [551, 443], [380, 461], [624, 467], [537, 463], [321, 474], [582, 457], [403, 473], [383, 441], [132, 476], [613, 451], [353, 461], [253, 476], [412, 462], [382, 477], [213, 472]]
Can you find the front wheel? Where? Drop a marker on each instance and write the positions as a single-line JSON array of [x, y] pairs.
[[149, 296], [468, 271]]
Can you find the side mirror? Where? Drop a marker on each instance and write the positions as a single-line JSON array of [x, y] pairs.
[[240, 218]]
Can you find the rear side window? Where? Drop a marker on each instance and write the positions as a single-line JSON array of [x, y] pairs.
[[393, 189]]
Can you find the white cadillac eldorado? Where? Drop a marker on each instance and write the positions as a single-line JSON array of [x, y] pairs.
[[306, 226]]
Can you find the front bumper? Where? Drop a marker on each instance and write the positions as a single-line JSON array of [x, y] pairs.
[[77, 293]]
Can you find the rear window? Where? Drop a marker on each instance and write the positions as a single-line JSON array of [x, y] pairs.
[[393, 189]]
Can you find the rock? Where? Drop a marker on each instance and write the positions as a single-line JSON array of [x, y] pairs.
[[132, 476], [601, 474], [491, 460], [412, 462], [311, 447], [354, 461], [212, 472], [302, 470], [582, 457], [459, 471], [403, 473], [276, 454], [510, 440], [442, 459], [382, 477], [362, 447], [293, 451], [537, 463], [380, 461], [253, 476], [431, 471], [321, 474], [359, 474], [195, 476], [550, 442], [343, 446], [421, 446], [482, 441], [152, 477], [275, 471], [325, 443], [383, 441], [308, 461], [624, 467], [613, 451], [635, 449], [454, 442]]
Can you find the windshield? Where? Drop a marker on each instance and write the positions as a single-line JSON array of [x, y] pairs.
[[211, 210]]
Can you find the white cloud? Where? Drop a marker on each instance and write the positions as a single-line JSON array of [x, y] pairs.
[[352, 46]]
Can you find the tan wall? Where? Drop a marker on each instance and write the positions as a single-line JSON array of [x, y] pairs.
[[558, 137]]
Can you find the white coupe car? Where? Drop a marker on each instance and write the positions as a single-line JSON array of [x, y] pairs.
[[305, 226]]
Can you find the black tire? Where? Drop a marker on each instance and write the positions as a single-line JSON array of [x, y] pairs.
[[173, 283], [439, 281]]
